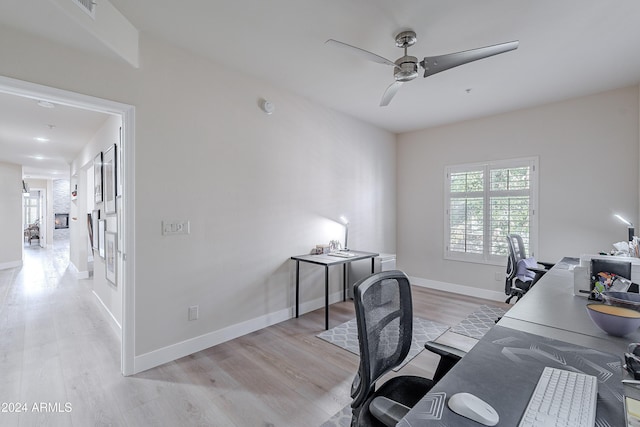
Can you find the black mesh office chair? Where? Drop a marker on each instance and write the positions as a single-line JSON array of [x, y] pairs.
[[522, 272], [384, 316]]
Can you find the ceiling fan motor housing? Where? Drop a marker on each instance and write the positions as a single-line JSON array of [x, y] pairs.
[[407, 69]]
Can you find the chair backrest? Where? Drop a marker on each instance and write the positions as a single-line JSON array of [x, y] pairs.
[[384, 315], [516, 253]]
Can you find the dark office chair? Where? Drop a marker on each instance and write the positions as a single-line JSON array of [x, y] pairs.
[[522, 272], [384, 316]]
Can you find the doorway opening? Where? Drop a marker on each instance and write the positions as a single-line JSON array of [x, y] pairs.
[[126, 204]]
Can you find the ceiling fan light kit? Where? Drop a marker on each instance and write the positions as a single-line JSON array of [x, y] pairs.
[[406, 67]]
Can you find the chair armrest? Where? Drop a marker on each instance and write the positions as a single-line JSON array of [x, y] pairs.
[[547, 265], [537, 270], [444, 350], [449, 356]]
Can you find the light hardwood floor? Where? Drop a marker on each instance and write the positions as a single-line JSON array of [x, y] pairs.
[[57, 349]]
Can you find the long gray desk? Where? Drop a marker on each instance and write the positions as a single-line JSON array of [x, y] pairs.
[[327, 261], [503, 369], [551, 309], [547, 327]]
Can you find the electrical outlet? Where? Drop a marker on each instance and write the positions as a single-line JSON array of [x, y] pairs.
[[193, 312], [171, 228], [499, 276]]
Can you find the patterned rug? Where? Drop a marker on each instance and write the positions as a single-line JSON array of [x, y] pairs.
[[340, 419], [346, 336], [479, 322]]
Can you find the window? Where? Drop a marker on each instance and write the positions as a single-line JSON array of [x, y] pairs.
[[485, 202]]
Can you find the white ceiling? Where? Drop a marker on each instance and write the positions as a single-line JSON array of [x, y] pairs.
[[568, 48], [66, 130]]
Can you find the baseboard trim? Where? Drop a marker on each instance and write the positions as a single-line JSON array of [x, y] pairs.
[[175, 351], [79, 274], [115, 325], [11, 264], [317, 303], [458, 289]]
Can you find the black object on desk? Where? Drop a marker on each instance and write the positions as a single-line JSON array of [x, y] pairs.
[[503, 369], [327, 260]]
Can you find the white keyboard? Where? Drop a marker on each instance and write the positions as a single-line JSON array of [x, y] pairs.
[[562, 398]]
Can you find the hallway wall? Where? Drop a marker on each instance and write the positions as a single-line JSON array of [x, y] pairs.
[[10, 215]]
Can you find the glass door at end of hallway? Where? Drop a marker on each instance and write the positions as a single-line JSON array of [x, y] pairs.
[[33, 225]]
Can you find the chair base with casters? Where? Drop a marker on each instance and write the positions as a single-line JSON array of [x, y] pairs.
[[384, 316]]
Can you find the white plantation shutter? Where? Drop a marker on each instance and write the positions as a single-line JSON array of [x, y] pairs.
[[484, 203]]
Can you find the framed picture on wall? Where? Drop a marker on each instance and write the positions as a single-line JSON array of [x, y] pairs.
[[111, 257], [97, 178], [109, 179], [90, 229], [93, 233], [102, 227]]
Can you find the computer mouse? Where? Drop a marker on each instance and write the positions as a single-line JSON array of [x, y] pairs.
[[474, 408]]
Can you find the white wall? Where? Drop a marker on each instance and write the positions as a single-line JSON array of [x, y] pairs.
[[82, 169], [588, 153], [256, 189], [10, 215]]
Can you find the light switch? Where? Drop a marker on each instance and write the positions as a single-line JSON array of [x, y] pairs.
[[170, 228]]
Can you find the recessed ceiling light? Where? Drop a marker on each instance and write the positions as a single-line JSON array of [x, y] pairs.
[[38, 157], [46, 104], [41, 139]]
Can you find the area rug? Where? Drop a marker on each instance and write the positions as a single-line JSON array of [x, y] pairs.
[[340, 419], [479, 322], [346, 336]]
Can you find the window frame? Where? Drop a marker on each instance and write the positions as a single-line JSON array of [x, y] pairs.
[[486, 257]]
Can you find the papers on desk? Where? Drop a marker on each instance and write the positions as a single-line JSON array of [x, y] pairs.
[[342, 254]]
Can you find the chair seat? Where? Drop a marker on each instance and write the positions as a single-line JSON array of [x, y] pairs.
[[406, 390]]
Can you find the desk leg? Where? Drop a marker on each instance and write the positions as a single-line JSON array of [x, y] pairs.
[[326, 297], [297, 287], [344, 281]]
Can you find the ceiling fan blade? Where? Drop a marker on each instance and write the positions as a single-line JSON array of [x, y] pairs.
[[363, 53], [435, 64], [390, 93]]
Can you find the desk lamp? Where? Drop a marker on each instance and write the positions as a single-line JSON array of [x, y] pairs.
[[345, 221], [630, 227]]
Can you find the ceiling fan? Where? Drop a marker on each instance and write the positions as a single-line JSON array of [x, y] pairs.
[[406, 67]]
